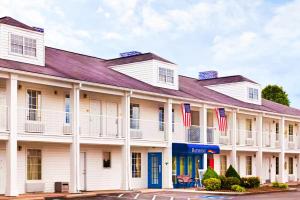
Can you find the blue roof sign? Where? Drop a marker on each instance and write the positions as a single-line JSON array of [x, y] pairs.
[[41, 30], [130, 53], [208, 75]]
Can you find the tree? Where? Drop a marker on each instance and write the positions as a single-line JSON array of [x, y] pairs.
[[231, 172], [275, 93]]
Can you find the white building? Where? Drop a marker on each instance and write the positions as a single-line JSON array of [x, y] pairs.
[[110, 124]]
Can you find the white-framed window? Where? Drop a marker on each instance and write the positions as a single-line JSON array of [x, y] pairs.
[[277, 131], [34, 105], [106, 159], [253, 93], [22, 45], [134, 116], [249, 128], [223, 164], [161, 118], [67, 109], [136, 162], [166, 75], [291, 132], [291, 165], [34, 164], [277, 165], [248, 165]]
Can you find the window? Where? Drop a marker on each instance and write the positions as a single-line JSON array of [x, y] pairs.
[[34, 105], [67, 109], [173, 121], [34, 164], [166, 75], [136, 165], [106, 159], [291, 165], [161, 119], [134, 116], [291, 133], [223, 164], [253, 93], [248, 165], [277, 131], [249, 128], [277, 165], [22, 45]]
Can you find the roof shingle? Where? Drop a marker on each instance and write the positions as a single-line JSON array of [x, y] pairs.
[[12, 22]]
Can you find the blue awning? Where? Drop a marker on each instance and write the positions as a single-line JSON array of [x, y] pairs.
[[182, 148]]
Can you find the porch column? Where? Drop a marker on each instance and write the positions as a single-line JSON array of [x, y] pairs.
[[233, 139], [75, 146], [11, 148], [167, 173], [203, 130], [259, 153], [126, 173], [282, 177]]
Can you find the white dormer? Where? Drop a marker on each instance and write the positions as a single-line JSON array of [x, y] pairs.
[[22, 44], [237, 87], [153, 71]]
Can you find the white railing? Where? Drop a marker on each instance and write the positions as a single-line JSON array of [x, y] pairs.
[[214, 136], [44, 122], [246, 138], [3, 118], [291, 142], [194, 134], [270, 139], [92, 125], [147, 130]]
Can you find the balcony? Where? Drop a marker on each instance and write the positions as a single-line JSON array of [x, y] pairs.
[[214, 136], [291, 142], [149, 130], [194, 134], [100, 126], [44, 122], [246, 138], [3, 118], [271, 140]]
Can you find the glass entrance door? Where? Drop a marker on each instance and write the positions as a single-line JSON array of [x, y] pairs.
[[154, 170]]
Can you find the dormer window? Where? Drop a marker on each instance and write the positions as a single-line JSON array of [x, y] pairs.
[[253, 93], [166, 75], [22, 45]]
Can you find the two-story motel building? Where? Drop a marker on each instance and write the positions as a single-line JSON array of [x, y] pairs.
[[102, 124]]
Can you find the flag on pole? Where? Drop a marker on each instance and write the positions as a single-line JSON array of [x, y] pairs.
[[222, 119], [186, 114]]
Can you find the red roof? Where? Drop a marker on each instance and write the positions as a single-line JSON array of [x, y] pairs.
[[12, 22], [224, 80], [60, 63]]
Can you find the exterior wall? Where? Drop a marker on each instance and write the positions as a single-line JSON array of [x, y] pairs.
[[242, 163], [147, 71], [238, 91], [217, 161], [6, 30]]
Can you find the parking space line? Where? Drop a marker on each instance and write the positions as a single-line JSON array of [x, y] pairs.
[[154, 197], [120, 195], [137, 195], [171, 198]]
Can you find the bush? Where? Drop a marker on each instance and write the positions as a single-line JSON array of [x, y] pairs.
[[238, 188], [280, 185], [209, 173], [231, 172], [212, 184], [250, 182], [227, 182]]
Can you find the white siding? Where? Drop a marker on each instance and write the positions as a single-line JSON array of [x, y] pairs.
[[238, 91], [147, 71], [6, 30]]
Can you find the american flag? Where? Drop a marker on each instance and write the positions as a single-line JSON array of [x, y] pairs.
[[222, 119], [186, 114]]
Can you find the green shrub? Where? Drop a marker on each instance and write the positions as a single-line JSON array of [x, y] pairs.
[[250, 182], [231, 172], [280, 185], [238, 188], [209, 173], [227, 182], [212, 184]]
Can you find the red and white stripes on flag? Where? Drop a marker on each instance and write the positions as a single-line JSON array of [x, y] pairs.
[[222, 119], [186, 114]]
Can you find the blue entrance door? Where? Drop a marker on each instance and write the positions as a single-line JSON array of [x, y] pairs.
[[154, 170]]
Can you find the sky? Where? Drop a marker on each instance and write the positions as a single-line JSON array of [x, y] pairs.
[[255, 38]]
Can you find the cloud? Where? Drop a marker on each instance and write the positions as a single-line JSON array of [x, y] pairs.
[[111, 36]]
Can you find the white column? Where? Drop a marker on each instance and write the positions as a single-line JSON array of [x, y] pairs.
[[75, 146], [282, 177], [203, 130], [126, 173], [167, 173], [233, 139], [11, 149], [259, 153]]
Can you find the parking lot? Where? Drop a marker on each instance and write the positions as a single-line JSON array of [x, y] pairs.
[[194, 196]]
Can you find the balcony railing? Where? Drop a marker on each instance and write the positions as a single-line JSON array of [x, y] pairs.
[[3, 118], [98, 126], [270, 139], [292, 142], [44, 122], [147, 130], [214, 136], [194, 134], [246, 138]]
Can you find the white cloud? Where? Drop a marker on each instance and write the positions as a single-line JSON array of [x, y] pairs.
[[111, 36]]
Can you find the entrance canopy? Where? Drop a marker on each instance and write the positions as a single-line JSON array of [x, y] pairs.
[[182, 148]]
